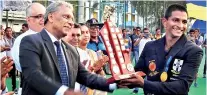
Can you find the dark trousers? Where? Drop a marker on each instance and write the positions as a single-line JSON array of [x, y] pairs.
[[21, 79], [12, 74]]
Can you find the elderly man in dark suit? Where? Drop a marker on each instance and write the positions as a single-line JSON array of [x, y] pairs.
[[170, 63], [51, 66]]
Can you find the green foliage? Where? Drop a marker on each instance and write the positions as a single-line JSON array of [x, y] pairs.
[[152, 11]]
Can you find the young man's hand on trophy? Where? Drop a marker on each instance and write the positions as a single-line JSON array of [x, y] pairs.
[[134, 81]]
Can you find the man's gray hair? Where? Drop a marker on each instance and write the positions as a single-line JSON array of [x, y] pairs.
[[53, 7], [28, 10]]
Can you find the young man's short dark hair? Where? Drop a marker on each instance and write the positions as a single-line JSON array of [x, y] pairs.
[[123, 30], [145, 29], [157, 29], [191, 30], [197, 30], [81, 24], [137, 28], [7, 28], [25, 24], [76, 25], [174, 7]]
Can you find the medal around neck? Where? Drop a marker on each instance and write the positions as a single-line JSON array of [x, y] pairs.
[[164, 76]]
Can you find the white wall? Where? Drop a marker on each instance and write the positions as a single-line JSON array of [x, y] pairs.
[[16, 25]]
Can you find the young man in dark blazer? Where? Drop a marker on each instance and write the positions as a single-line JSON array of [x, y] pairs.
[[50, 66], [170, 63]]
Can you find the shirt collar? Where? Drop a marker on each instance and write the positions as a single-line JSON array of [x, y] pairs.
[[52, 37], [30, 30]]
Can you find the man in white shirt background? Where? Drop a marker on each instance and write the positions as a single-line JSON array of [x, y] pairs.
[[35, 20]]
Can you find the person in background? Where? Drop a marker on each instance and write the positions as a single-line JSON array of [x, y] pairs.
[[96, 42], [145, 38], [24, 27], [73, 37], [192, 38], [35, 23], [199, 38], [94, 59], [9, 39], [79, 38], [3, 46], [191, 35], [127, 40], [158, 34], [136, 37], [9, 42]]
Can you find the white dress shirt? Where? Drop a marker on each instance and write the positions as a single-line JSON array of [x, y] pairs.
[[63, 88], [9, 42], [15, 48]]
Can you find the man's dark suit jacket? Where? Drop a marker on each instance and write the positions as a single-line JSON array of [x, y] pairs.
[[186, 58], [41, 70]]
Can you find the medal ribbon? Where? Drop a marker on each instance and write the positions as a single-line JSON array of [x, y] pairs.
[[167, 64]]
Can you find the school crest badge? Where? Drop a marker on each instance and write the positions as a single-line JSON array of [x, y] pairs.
[[177, 66]]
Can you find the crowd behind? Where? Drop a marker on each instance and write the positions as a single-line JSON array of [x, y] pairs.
[[86, 38]]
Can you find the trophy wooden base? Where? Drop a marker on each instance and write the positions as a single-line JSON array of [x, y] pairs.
[[125, 76]]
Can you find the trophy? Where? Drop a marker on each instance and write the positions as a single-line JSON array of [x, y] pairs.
[[119, 59]]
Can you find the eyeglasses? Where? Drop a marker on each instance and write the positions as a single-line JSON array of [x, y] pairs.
[[38, 16], [73, 35], [94, 27]]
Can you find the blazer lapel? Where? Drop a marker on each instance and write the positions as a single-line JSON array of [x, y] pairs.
[[48, 43], [160, 53], [177, 46], [69, 61]]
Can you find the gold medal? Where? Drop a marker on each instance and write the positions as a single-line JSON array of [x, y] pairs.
[[163, 76]]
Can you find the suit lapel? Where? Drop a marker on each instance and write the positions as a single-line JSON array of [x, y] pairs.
[[177, 46], [69, 61], [49, 45], [160, 53]]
